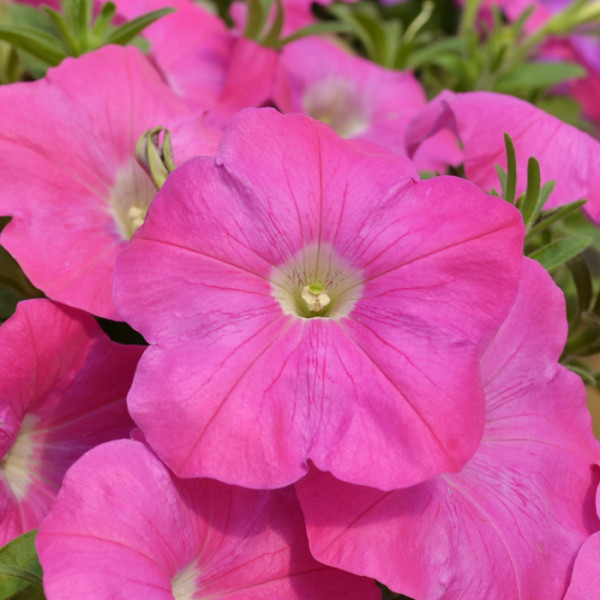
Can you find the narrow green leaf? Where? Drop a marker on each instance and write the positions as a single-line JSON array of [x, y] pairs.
[[588, 377], [560, 251], [103, 20], [529, 205], [317, 29], [502, 177], [59, 22], [419, 58], [551, 217], [126, 32], [583, 282], [254, 19], [271, 39], [356, 27], [538, 75], [511, 169], [20, 568], [37, 43]]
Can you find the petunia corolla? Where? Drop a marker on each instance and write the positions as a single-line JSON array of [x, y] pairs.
[[212, 68], [69, 176], [359, 99], [585, 582], [566, 155], [63, 386], [305, 297], [124, 527], [511, 522]]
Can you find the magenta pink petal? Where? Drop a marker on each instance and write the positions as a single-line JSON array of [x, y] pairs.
[[511, 522], [480, 119], [124, 527], [63, 392]]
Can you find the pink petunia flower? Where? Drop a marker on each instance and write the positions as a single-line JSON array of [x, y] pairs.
[[585, 582], [358, 98], [510, 523], [210, 67], [63, 392], [124, 527], [305, 297], [69, 176], [480, 119]]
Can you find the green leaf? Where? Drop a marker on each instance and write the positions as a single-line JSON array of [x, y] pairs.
[[271, 39], [583, 282], [560, 251], [429, 54], [20, 570], [64, 31], [255, 19], [103, 20], [37, 43], [317, 29], [126, 32], [553, 216], [511, 169], [530, 75], [530, 203]]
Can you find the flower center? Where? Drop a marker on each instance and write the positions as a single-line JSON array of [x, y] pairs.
[[129, 198], [16, 463], [339, 103], [316, 283], [184, 585]]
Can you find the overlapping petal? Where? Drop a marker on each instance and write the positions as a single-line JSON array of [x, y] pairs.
[[237, 388], [63, 392], [358, 98], [511, 522], [565, 154], [169, 537]]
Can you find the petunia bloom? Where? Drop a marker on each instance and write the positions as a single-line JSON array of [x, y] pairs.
[[585, 582], [359, 99], [305, 297], [63, 388], [124, 527], [511, 522], [565, 154], [69, 175], [212, 68]]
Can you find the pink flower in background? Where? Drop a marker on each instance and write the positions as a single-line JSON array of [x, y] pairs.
[[307, 298], [70, 179], [123, 527], [511, 522], [358, 98], [63, 392], [210, 67], [566, 155]]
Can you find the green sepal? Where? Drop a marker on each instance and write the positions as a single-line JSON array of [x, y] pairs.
[[20, 570], [37, 43], [125, 33], [154, 157], [257, 13], [559, 251]]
